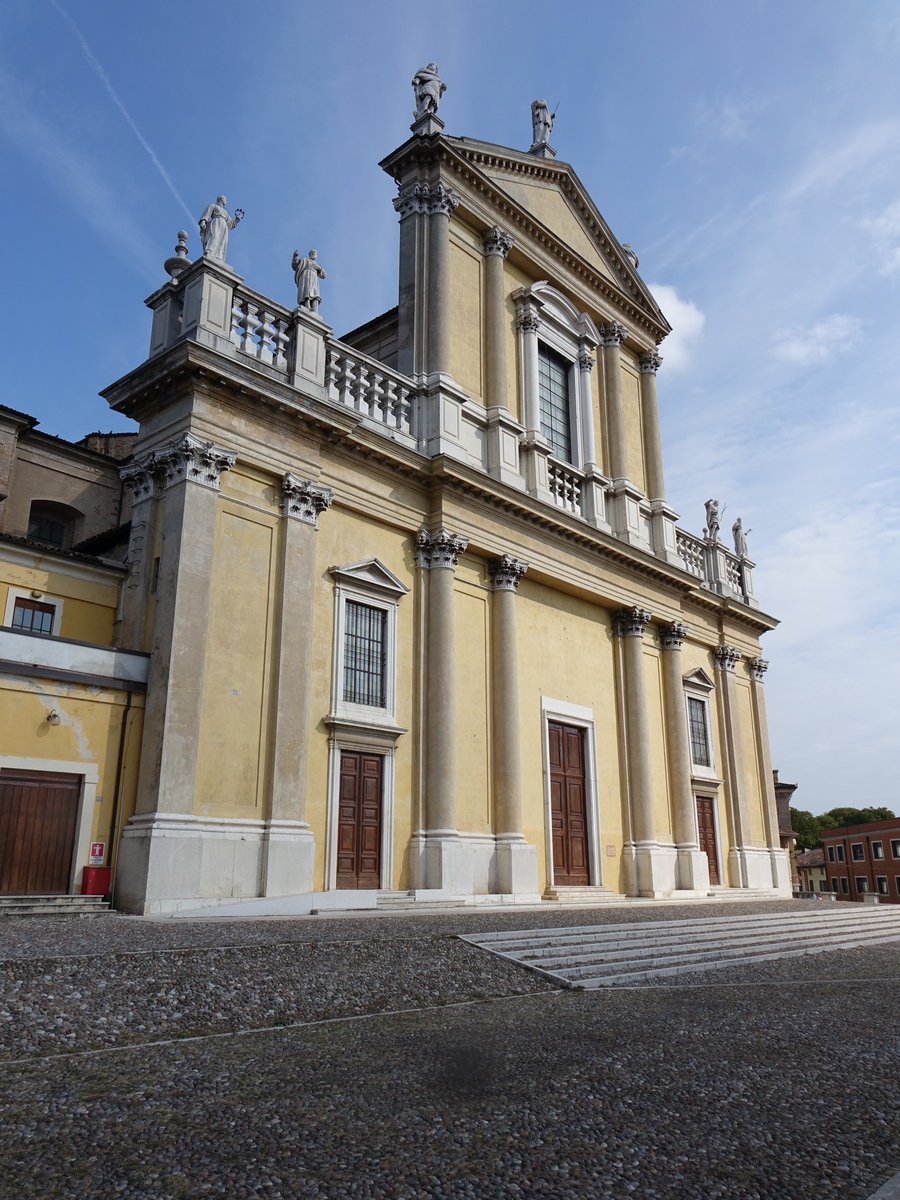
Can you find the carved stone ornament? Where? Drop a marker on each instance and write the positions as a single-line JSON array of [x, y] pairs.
[[506, 573], [189, 458], [727, 657], [441, 549], [585, 360], [141, 477], [630, 622], [671, 636], [649, 362], [497, 242], [528, 322], [612, 334], [411, 199], [304, 500], [441, 199], [758, 668]]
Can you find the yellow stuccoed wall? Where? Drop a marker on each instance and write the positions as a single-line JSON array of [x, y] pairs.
[[634, 436], [471, 617], [466, 303], [749, 762], [566, 653], [89, 608], [662, 818]]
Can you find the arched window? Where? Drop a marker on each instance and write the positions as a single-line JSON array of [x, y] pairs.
[[53, 523]]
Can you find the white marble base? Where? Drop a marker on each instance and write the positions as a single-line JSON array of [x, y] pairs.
[[781, 872], [288, 858], [515, 867], [650, 869], [468, 864], [692, 869], [760, 869]]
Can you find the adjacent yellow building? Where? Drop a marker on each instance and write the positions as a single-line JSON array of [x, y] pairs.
[[419, 617]]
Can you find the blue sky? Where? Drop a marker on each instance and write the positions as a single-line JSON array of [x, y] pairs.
[[749, 152]]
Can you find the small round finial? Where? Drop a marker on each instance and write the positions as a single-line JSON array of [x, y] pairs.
[[180, 262]]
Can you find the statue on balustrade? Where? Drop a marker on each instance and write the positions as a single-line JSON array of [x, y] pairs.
[[307, 274], [215, 225], [712, 520], [429, 88], [740, 539], [541, 123]]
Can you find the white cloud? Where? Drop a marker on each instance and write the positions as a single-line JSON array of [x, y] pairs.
[[871, 146], [687, 323], [885, 230], [820, 343]]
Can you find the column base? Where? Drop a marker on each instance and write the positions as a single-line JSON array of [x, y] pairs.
[[441, 861], [650, 869], [781, 872], [515, 867], [288, 859], [693, 869], [757, 868]]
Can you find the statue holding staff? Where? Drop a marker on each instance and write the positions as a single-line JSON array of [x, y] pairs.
[[307, 274]]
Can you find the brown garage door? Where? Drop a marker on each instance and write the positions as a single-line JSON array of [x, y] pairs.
[[38, 811]]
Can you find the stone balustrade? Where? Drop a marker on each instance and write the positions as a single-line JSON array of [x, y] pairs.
[[371, 389], [565, 484], [692, 552], [260, 329]]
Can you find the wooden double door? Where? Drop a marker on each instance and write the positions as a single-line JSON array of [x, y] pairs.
[[359, 820], [568, 806], [706, 828], [38, 814]]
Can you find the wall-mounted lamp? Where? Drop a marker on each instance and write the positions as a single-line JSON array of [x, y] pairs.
[[52, 717], [36, 593]]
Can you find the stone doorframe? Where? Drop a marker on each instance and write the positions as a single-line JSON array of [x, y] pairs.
[[359, 743], [711, 793], [582, 718]]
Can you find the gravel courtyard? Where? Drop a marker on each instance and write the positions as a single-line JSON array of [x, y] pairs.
[[378, 1056]]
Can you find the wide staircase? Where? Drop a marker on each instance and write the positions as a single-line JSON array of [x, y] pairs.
[[599, 956], [52, 906]]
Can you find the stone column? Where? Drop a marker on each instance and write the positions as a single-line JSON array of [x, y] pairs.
[[410, 205], [516, 860], [141, 476], [781, 872], [528, 325], [649, 363], [447, 865], [726, 657], [586, 403], [289, 849], [497, 245], [440, 204], [149, 867], [693, 866], [654, 865], [611, 337]]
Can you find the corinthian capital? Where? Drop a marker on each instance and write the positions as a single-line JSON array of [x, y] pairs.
[[190, 458], [671, 636], [726, 657], [141, 477], [304, 500], [630, 622], [495, 241], [441, 199], [612, 334], [758, 668], [649, 362], [411, 199], [441, 549], [506, 573]]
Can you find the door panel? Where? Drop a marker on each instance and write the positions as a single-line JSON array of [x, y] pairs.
[[568, 812], [706, 828], [359, 820], [38, 813]]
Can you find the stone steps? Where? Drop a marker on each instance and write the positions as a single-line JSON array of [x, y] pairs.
[[59, 906], [602, 956]]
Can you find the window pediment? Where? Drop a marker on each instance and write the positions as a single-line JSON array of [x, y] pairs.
[[557, 310], [371, 576], [699, 679]]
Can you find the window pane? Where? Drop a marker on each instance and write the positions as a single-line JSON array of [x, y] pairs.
[[32, 616], [364, 654], [553, 390], [699, 740]]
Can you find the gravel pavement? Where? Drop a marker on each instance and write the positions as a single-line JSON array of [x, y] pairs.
[[380, 1057]]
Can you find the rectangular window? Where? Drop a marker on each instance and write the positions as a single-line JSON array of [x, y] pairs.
[[831, 853], [823, 885], [845, 887], [553, 392], [895, 847], [364, 655], [858, 851], [877, 850], [840, 853], [881, 883], [897, 883], [699, 735], [32, 616], [862, 884], [834, 885]]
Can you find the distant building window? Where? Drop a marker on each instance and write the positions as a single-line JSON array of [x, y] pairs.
[[877, 850], [881, 883], [895, 847], [553, 392], [857, 851], [823, 885], [834, 885], [831, 853], [862, 884], [364, 654], [53, 524], [699, 732], [32, 616], [845, 887], [897, 883], [840, 853]]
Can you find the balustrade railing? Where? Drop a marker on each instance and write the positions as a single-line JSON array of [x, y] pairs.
[[370, 388], [733, 573], [565, 484], [261, 330], [692, 552]]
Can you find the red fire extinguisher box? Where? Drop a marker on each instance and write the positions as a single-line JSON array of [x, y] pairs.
[[95, 881]]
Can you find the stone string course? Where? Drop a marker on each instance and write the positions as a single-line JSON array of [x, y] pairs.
[[773, 1082]]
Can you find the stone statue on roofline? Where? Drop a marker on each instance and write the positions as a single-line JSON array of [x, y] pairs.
[[307, 274], [740, 539], [428, 87], [215, 225], [712, 520], [541, 123]]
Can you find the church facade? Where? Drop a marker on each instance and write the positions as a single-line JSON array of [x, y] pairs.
[[419, 616]]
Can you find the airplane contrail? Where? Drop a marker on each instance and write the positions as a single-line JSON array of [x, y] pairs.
[[104, 79]]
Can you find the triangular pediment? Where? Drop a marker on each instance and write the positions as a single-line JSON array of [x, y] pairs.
[[699, 679], [370, 575]]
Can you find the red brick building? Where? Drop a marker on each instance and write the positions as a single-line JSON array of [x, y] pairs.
[[863, 860]]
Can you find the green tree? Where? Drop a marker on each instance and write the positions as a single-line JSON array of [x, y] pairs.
[[854, 816], [806, 827]]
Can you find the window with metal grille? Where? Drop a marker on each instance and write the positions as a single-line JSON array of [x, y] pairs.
[[553, 391], [33, 617], [364, 655], [699, 738]]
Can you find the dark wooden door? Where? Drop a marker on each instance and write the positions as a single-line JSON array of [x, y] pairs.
[[359, 821], [568, 811], [707, 830], [38, 811]]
